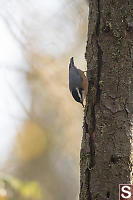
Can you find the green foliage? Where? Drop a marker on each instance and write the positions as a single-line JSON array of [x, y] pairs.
[[28, 190]]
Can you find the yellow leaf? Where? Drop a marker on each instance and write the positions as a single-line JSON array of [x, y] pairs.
[[31, 141]]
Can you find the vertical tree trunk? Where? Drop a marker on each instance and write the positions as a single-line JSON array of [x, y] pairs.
[[105, 158]]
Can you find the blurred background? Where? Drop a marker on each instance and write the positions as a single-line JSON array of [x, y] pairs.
[[40, 123]]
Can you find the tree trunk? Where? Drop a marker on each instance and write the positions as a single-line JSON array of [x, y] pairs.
[[105, 157]]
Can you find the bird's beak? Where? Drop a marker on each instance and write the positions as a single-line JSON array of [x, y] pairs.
[[82, 104]]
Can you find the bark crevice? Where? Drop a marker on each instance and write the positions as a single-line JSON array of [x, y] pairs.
[[98, 18], [99, 52], [91, 129], [98, 90], [99, 63]]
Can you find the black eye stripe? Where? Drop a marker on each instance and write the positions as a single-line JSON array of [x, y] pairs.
[[77, 94], [79, 91]]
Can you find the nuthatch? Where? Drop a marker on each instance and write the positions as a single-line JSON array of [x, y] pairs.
[[78, 83]]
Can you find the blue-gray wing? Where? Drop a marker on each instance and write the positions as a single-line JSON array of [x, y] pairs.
[[75, 79]]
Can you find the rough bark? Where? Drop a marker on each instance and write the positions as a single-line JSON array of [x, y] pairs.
[[105, 158]]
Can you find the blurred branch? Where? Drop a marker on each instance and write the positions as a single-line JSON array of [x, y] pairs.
[[20, 102], [12, 32]]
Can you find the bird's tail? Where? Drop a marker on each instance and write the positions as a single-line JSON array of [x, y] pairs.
[[71, 63]]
